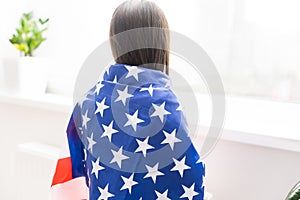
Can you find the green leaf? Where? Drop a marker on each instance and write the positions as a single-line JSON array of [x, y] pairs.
[[42, 22], [19, 31], [44, 29], [28, 16], [29, 34], [22, 22], [295, 196]]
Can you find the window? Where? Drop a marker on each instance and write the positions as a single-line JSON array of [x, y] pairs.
[[264, 50], [255, 44]]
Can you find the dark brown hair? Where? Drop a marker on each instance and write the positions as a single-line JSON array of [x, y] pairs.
[[136, 14]]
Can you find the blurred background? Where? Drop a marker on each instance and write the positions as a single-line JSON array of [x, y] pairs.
[[255, 45]]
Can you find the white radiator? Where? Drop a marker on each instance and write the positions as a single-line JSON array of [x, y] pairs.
[[36, 165], [35, 168]]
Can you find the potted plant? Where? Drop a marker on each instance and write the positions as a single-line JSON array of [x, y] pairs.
[[294, 194], [28, 37]]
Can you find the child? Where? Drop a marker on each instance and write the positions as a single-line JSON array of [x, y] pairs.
[[128, 139]]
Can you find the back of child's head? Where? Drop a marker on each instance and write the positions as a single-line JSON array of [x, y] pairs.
[[139, 35]]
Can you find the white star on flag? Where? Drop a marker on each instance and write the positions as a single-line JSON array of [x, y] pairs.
[[104, 194], [128, 183], [149, 89], [96, 167], [109, 130], [179, 108], [85, 119], [118, 157], [80, 102], [153, 172], [123, 95], [180, 166], [98, 87], [170, 139], [143, 146], [162, 196], [80, 130], [106, 71], [101, 107], [160, 111], [91, 142], [199, 161], [85, 154], [133, 120], [133, 71], [189, 192], [115, 80]]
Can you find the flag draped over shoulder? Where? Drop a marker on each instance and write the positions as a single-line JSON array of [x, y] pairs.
[[129, 139]]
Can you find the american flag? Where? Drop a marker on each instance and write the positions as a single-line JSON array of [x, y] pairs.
[[128, 139]]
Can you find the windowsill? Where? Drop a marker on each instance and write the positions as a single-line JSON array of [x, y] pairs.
[[250, 121], [259, 122], [263, 117]]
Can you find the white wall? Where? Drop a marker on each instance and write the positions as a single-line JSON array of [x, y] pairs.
[[19, 125], [240, 171]]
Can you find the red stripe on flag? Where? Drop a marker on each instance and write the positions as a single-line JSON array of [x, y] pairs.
[[63, 172]]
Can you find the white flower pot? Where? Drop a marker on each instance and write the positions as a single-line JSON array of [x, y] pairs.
[[10, 77], [33, 75]]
